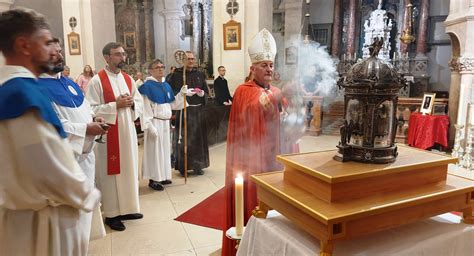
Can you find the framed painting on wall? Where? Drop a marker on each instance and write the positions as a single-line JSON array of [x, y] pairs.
[[129, 39], [74, 43], [232, 37]]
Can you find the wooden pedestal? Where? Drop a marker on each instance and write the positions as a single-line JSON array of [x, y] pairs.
[[336, 201]]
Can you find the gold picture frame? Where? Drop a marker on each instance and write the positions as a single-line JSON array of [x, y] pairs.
[[74, 43], [427, 103], [129, 39], [232, 36]]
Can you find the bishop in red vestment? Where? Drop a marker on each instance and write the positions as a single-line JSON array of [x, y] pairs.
[[252, 142]]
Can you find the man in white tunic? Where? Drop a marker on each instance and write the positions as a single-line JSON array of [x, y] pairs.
[[42, 188], [159, 100], [113, 95], [75, 114]]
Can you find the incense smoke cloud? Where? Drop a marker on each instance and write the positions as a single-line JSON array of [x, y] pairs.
[[316, 70], [316, 64]]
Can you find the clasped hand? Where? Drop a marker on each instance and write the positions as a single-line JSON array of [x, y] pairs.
[[97, 127], [192, 91], [124, 101]]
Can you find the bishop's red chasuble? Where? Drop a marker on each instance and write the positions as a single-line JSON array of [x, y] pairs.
[[252, 146]]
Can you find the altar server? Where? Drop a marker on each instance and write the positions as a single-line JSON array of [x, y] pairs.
[[75, 114], [43, 191], [159, 100]]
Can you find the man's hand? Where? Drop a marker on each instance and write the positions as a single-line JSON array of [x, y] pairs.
[[200, 92], [96, 128], [124, 101], [184, 89], [99, 119]]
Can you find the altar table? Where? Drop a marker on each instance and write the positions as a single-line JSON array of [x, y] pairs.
[[441, 235], [426, 130]]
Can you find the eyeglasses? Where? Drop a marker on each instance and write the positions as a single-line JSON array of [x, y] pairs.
[[119, 54], [158, 67]]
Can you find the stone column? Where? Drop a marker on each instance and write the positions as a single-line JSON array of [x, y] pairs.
[[421, 60], [293, 22], [454, 89], [173, 26], [403, 46], [138, 47], [351, 28], [336, 28], [422, 28], [465, 89], [149, 35]]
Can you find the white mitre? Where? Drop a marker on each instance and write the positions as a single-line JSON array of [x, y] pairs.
[[263, 47]]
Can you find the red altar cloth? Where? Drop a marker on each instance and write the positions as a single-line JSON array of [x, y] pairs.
[[426, 130]]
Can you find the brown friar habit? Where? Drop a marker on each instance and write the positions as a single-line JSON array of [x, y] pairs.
[[198, 148]]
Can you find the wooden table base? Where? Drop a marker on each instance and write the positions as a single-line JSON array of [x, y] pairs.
[[319, 218]]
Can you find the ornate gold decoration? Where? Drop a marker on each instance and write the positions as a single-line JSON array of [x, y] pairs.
[[257, 213], [407, 36]]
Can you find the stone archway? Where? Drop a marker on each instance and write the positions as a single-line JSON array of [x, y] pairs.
[[454, 88], [456, 46]]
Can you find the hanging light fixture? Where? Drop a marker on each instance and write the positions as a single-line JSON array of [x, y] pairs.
[[407, 35], [307, 38]]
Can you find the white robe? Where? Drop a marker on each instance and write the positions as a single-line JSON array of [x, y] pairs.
[[157, 150], [42, 188], [74, 121], [120, 191]]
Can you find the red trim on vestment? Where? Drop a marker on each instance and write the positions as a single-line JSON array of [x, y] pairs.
[[113, 146]]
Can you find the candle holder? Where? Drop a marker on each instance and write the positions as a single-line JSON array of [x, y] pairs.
[[467, 158], [458, 151], [231, 233]]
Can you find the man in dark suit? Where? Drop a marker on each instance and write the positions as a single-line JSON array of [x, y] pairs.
[[221, 89]]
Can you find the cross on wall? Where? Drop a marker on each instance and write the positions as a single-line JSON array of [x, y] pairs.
[[232, 7]]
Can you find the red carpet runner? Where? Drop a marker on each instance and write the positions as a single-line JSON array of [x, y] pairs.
[[208, 213]]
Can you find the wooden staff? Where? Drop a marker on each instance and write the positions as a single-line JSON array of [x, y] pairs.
[[181, 58]]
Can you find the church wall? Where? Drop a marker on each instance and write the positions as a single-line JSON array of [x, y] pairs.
[[103, 30], [95, 26], [50, 8], [439, 55], [167, 15], [159, 27], [321, 11], [266, 14], [237, 62]]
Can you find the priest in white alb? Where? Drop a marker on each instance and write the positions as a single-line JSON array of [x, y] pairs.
[[159, 100], [76, 116], [43, 190], [113, 95]]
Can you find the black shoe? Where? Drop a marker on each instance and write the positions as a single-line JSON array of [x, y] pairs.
[[181, 173], [198, 172], [165, 182], [155, 185], [131, 216], [115, 223]]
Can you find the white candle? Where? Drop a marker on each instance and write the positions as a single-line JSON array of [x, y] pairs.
[[239, 204]]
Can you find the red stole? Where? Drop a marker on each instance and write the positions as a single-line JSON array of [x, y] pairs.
[[113, 146]]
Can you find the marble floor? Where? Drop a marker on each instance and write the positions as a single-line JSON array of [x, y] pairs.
[[158, 234]]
